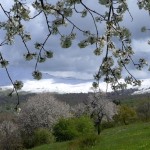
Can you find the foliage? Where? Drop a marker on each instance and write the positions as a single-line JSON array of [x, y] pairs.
[[42, 111], [65, 130], [84, 125], [42, 136], [125, 114], [10, 136], [28, 141], [85, 142], [88, 141], [108, 124], [68, 129]]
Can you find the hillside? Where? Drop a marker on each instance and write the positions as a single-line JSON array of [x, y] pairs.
[[74, 98], [129, 137]]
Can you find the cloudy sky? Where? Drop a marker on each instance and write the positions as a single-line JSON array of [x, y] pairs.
[[72, 67]]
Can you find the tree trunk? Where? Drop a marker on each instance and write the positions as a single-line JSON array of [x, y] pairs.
[[99, 125], [124, 120], [99, 128]]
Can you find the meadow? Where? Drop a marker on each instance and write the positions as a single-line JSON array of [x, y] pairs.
[[127, 137]]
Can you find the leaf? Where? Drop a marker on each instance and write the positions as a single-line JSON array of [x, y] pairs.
[[18, 85], [49, 54], [37, 75]]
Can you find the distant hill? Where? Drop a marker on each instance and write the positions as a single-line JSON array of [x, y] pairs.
[[74, 98]]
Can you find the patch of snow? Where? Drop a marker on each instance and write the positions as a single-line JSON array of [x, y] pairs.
[[49, 85]]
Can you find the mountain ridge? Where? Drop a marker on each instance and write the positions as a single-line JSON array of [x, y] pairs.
[[71, 85]]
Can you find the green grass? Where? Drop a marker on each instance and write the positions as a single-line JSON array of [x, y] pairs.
[[130, 137]]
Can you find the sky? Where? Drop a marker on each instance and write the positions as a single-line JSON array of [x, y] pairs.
[[73, 66]]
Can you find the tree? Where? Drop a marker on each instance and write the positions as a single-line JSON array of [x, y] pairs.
[[97, 107], [57, 15], [42, 111], [125, 114]]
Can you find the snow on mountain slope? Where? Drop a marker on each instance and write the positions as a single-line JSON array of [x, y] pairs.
[[144, 88], [69, 85], [50, 85]]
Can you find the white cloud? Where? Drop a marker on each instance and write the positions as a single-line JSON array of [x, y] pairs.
[[141, 45]]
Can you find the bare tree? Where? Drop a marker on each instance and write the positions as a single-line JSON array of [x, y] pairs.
[[42, 110]]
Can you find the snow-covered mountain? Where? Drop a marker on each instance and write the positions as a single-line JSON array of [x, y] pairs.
[[50, 85], [144, 88], [58, 84], [70, 85]]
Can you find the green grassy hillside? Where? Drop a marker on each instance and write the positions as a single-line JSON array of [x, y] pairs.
[[129, 137]]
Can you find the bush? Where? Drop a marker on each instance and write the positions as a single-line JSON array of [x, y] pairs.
[[107, 124], [65, 130], [40, 136], [84, 142], [88, 141], [68, 129], [84, 125], [28, 141], [43, 136], [125, 115]]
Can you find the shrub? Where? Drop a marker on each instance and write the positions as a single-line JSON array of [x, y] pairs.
[[107, 124], [88, 141], [84, 142], [43, 136], [68, 129], [84, 125], [125, 114], [39, 137], [65, 130], [28, 141]]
